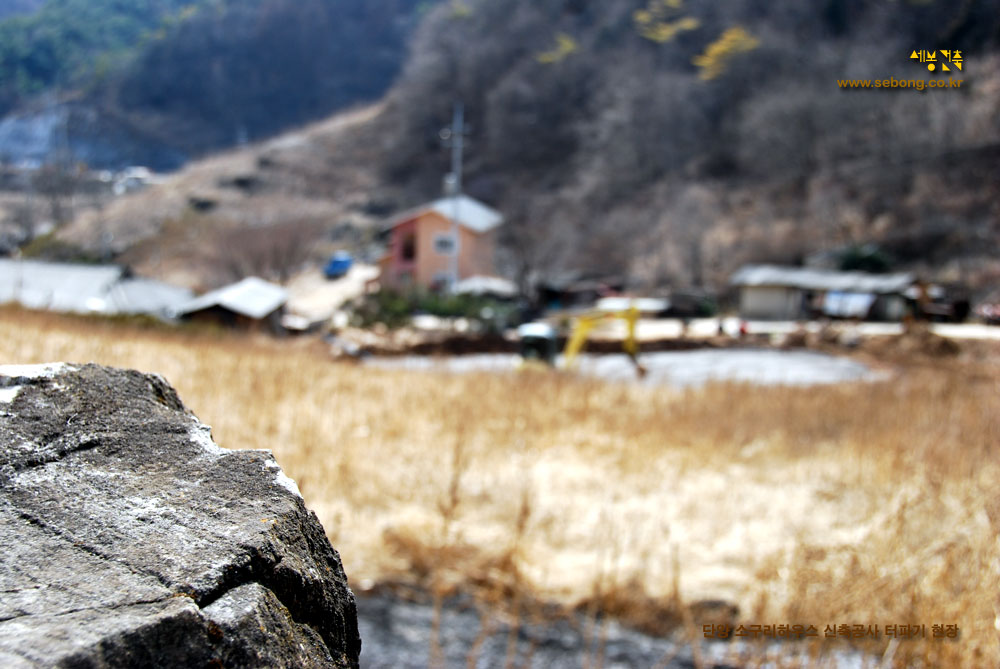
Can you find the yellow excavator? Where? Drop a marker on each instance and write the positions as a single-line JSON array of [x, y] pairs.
[[538, 340]]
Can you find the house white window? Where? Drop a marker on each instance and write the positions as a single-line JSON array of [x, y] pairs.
[[444, 244]]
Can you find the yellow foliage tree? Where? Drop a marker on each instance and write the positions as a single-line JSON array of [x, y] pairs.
[[565, 45], [658, 21], [717, 54], [664, 31]]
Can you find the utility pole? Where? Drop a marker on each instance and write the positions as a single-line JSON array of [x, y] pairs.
[[453, 185]]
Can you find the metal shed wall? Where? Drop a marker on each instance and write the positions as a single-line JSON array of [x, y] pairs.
[[770, 302]]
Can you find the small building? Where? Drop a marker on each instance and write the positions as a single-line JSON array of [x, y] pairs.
[[574, 290], [770, 292], [136, 295], [251, 303], [85, 289], [421, 244]]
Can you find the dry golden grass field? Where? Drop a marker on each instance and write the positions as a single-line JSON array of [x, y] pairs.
[[868, 503]]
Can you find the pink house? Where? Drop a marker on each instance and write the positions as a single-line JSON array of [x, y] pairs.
[[422, 244]]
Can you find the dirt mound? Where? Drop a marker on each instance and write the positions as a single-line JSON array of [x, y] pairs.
[[914, 341]]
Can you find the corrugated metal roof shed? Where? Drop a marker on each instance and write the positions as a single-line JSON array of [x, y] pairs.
[[146, 296], [251, 297], [807, 278], [472, 213], [58, 286]]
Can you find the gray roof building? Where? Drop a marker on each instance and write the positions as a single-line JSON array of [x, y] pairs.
[[464, 210], [146, 296], [791, 293], [58, 286], [85, 289], [252, 297], [806, 278]]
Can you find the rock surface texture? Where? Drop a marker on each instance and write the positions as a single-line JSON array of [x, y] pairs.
[[131, 540]]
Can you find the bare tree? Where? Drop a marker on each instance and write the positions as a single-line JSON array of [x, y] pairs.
[[272, 252], [534, 243], [673, 248]]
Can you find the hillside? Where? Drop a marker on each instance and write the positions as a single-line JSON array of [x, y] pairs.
[[45, 46], [671, 141], [674, 140], [251, 69], [158, 82], [263, 209]]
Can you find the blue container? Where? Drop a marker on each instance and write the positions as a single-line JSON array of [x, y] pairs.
[[338, 265]]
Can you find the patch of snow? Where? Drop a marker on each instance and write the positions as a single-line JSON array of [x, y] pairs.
[[680, 369], [282, 479], [201, 435], [46, 370]]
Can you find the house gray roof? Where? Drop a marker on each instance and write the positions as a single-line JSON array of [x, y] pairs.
[[471, 213], [146, 296], [807, 278], [58, 286], [251, 297], [95, 289]]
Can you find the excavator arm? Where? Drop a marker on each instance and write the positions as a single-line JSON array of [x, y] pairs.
[[585, 323]]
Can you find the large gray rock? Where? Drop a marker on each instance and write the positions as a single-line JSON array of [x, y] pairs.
[[129, 539]]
